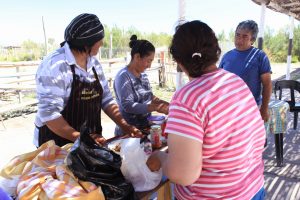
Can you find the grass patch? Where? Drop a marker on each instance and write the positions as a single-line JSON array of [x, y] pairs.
[[165, 93]]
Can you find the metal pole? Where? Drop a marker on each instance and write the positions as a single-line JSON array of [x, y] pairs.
[[289, 56], [45, 38], [111, 46], [261, 26], [179, 74]]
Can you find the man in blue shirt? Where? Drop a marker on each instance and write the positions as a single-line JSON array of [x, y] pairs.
[[251, 64]]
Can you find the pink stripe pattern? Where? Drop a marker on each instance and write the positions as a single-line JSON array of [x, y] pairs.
[[218, 110]]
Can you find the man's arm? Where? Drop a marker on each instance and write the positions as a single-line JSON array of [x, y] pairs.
[[266, 95]]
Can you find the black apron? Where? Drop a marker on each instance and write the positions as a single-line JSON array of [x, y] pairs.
[[84, 105]]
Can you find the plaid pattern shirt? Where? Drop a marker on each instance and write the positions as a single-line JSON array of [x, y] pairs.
[[43, 174], [278, 116]]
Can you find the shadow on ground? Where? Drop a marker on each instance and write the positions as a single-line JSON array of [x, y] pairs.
[[283, 183]]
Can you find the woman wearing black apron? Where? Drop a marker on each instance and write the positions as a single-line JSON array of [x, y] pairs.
[[72, 89]]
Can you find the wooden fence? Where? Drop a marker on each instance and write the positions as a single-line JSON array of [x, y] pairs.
[[17, 78]]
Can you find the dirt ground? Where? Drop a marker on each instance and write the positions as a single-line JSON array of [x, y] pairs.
[[16, 135]]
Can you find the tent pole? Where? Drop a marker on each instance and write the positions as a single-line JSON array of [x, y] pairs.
[[289, 56], [179, 74], [261, 26]]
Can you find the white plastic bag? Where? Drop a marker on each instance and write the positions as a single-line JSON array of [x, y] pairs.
[[9, 185], [134, 166]]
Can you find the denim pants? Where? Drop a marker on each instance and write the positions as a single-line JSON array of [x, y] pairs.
[[260, 195]]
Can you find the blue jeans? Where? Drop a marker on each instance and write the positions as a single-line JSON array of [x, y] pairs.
[[260, 195]]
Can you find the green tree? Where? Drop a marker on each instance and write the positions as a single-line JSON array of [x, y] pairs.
[[158, 39], [279, 46], [221, 36], [52, 45], [31, 50], [275, 44], [231, 35], [296, 43]]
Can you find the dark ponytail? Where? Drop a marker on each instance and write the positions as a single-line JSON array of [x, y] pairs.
[[142, 47]]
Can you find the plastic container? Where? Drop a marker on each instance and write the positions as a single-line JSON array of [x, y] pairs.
[[159, 120], [156, 119]]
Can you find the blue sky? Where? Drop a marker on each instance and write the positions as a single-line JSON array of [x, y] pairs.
[[22, 19]]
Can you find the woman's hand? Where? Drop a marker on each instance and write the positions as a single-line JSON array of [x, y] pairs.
[[153, 162], [132, 131], [163, 108], [159, 105], [99, 139]]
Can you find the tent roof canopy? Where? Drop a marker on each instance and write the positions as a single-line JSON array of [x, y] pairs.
[[288, 7]]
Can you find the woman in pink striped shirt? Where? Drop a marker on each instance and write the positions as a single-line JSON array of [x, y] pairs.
[[216, 133]]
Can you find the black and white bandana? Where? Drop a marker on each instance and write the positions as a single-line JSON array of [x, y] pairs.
[[85, 29]]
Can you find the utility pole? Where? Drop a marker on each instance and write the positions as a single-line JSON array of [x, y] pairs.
[[45, 38], [110, 46]]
